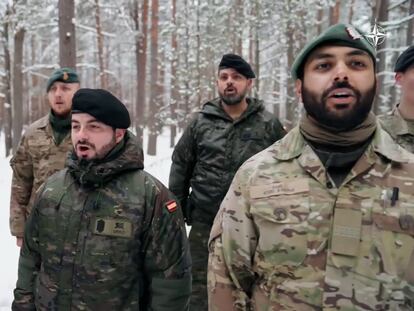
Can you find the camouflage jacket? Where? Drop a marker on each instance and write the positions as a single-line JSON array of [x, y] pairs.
[[104, 237], [36, 158], [210, 151], [402, 131], [284, 240]]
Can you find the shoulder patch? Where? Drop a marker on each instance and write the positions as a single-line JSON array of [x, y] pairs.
[[171, 206]]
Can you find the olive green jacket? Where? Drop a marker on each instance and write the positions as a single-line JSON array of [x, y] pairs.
[[104, 236], [210, 151]]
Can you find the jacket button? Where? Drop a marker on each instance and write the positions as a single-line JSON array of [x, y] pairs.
[[329, 185], [406, 222], [280, 214]]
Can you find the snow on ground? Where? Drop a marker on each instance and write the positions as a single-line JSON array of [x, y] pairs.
[[158, 166]]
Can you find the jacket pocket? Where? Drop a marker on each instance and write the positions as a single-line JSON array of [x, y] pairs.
[[282, 221], [394, 246]]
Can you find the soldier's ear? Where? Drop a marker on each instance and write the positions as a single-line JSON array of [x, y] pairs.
[[119, 134], [298, 89], [399, 78]]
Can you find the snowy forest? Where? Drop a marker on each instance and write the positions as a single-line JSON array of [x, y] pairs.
[[160, 57]]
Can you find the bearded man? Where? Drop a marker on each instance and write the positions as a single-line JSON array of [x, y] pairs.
[[226, 132], [324, 218], [103, 234]]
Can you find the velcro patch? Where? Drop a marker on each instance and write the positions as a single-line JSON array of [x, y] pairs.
[[279, 188], [171, 206], [112, 227]]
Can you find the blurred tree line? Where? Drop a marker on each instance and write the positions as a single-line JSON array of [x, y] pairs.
[[160, 57]]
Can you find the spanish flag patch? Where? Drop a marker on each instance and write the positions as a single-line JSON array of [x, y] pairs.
[[171, 206]]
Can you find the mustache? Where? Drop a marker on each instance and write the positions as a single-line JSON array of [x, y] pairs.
[[84, 143], [339, 85]]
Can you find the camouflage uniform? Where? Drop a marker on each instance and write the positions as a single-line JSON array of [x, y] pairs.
[[279, 239], [106, 236], [36, 158], [400, 129], [206, 158]]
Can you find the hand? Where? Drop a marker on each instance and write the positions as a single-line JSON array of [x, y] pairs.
[[19, 242]]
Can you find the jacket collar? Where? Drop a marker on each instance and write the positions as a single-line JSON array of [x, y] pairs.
[[294, 145], [214, 108]]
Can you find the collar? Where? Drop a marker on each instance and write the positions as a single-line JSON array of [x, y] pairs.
[[400, 125], [294, 145]]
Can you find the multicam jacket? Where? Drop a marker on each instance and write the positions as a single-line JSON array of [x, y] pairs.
[[36, 158], [210, 151], [104, 237], [401, 130], [284, 240]]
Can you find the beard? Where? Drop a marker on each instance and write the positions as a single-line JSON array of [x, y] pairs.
[[318, 110], [232, 100], [99, 154]]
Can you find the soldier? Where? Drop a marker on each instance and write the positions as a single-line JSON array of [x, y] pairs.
[[399, 123], [324, 218], [42, 149], [103, 233], [225, 133]]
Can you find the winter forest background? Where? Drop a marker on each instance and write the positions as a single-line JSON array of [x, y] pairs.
[[174, 47], [160, 56]]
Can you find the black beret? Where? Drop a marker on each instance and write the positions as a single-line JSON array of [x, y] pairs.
[[405, 60], [65, 75], [104, 106], [237, 63]]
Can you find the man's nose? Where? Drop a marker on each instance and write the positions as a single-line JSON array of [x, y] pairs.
[[82, 134], [58, 92], [341, 73]]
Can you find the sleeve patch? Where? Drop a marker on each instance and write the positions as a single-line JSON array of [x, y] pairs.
[[171, 206]]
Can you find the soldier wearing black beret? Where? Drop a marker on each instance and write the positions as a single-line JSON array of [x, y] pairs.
[[226, 132], [105, 233], [399, 123]]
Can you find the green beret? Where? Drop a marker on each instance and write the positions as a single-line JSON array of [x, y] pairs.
[[339, 34], [237, 63], [101, 104], [65, 75]]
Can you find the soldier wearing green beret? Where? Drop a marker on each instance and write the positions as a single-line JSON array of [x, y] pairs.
[[324, 218], [399, 123], [103, 234], [42, 148]]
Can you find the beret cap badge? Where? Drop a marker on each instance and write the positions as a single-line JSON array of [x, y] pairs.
[[353, 33]]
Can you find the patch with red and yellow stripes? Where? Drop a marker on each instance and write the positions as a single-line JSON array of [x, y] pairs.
[[171, 206]]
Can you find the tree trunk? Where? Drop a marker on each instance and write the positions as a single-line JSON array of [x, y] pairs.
[[409, 39], [198, 52], [320, 19], [238, 45], [382, 7], [290, 102], [141, 27], [67, 37], [174, 80], [18, 87], [7, 85], [99, 37], [351, 11], [152, 139], [334, 13]]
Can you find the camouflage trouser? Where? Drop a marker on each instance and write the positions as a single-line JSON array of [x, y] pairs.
[[199, 235]]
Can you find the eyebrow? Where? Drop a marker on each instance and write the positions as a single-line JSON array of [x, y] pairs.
[[322, 55], [89, 121]]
